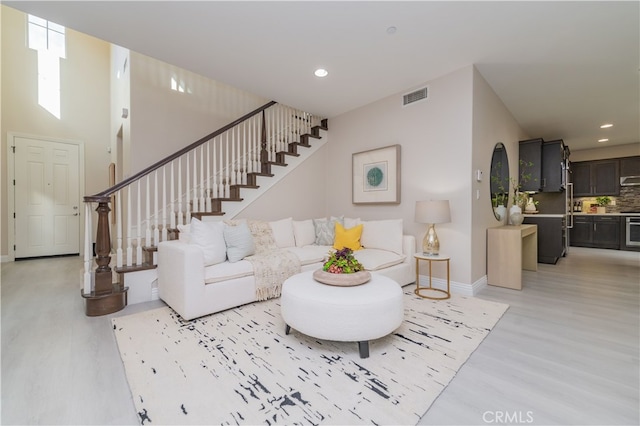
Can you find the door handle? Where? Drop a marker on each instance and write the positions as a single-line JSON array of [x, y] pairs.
[[76, 214]]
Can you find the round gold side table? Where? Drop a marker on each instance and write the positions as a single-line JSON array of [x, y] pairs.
[[438, 294]]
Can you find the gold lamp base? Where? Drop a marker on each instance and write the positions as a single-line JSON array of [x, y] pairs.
[[430, 243]]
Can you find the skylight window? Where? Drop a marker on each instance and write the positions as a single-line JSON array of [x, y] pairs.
[[48, 38]]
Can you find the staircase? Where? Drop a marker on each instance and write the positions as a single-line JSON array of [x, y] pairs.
[[213, 178]]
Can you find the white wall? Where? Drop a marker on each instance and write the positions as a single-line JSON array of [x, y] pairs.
[[163, 120], [301, 194], [435, 138], [492, 123], [85, 117]]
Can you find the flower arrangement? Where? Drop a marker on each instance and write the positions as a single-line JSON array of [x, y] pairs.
[[342, 262], [603, 201]]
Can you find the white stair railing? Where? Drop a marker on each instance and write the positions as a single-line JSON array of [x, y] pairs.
[[165, 195]]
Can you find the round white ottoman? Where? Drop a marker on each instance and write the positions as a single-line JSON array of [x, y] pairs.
[[346, 314]]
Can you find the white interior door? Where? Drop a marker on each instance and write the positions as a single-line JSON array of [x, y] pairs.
[[47, 198]]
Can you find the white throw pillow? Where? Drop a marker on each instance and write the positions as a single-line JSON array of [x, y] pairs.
[[382, 234], [326, 230], [209, 237], [239, 242], [376, 259], [350, 222], [183, 233], [304, 232], [283, 232]]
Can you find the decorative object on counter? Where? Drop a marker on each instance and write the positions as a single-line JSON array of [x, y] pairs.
[[532, 206], [602, 202], [432, 212]]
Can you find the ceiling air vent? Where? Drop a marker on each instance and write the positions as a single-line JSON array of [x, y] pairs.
[[416, 96]]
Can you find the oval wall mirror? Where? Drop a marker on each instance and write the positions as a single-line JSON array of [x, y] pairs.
[[499, 181]]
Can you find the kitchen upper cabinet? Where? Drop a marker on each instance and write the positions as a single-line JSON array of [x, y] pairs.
[[544, 163], [530, 164], [593, 178], [554, 161], [630, 166], [596, 231]]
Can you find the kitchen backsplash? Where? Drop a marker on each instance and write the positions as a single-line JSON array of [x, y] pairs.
[[554, 202], [628, 200]]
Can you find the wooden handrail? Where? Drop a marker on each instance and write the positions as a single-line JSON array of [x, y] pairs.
[[108, 192]]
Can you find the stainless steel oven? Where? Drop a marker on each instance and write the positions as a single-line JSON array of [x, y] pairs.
[[633, 231]]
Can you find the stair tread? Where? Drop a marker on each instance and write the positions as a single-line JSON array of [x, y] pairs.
[[240, 185], [134, 268], [207, 213], [262, 174]]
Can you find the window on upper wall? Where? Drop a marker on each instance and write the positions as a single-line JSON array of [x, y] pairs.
[[48, 38], [47, 35]]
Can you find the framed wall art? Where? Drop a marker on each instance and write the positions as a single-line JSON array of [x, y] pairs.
[[376, 176]]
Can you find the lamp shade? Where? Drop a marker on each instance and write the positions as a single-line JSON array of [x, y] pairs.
[[433, 211]]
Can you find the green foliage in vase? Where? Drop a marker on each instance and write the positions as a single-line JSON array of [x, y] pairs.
[[603, 201], [342, 262], [520, 198]]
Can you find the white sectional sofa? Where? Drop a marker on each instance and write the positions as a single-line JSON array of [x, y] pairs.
[[204, 272]]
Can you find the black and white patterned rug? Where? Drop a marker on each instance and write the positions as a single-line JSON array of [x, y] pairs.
[[239, 366]]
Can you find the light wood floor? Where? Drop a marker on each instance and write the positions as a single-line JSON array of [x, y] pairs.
[[566, 352]]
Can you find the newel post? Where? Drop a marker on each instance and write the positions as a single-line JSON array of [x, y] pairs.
[[106, 297], [103, 249]]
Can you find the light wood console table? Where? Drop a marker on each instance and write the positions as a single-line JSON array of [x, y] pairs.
[[510, 249]]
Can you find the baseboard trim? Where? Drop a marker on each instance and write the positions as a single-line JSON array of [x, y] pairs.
[[456, 287], [5, 258]]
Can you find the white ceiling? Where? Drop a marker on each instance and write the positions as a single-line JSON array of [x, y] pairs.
[[561, 68]]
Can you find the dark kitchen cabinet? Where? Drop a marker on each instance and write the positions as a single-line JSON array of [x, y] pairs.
[[630, 166], [544, 163], [550, 238], [554, 160], [530, 156], [593, 178], [596, 231]]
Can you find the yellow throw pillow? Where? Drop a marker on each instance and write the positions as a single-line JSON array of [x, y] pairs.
[[349, 238]]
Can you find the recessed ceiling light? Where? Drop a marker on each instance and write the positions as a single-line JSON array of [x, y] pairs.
[[391, 30], [321, 72], [603, 140], [606, 126]]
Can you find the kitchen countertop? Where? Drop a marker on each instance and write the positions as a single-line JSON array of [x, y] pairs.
[[544, 215], [604, 214]]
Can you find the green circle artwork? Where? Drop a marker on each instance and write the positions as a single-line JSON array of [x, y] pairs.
[[375, 176]]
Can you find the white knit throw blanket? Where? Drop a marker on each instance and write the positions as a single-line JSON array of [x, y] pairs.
[[271, 265], [271, 270]]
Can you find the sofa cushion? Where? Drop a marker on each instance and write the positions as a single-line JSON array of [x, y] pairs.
[[376, 259], [325, 230], [304, 232], [239, 241], [382, 234], [283, 232], [349, 238], [209, 237], [227, 271], [310, 254]]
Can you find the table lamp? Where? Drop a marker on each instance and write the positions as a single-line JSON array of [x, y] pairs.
[[432, 212]]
